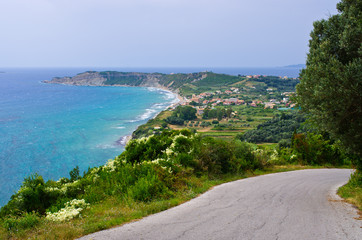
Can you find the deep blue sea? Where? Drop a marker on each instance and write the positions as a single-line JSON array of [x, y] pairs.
[[50, 129]]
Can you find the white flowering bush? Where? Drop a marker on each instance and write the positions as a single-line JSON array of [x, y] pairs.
[[71, 210], [274, 157], [110, 165]]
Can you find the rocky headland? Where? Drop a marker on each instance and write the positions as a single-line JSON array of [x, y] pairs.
[[170, 82]]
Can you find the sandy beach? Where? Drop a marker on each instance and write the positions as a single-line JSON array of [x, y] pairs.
[[125, 139]]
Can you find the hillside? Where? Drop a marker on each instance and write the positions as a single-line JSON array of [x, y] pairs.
[[185, 83]]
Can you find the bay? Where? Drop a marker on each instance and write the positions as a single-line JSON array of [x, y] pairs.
[[50, 129]]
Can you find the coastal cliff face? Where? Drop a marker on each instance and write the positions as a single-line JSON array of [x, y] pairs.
[[83, 79], [112, 78]]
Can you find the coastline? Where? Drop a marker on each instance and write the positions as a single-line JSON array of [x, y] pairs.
[[179, 99], [123, 140]]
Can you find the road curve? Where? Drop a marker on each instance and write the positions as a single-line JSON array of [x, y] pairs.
[[290, 205]]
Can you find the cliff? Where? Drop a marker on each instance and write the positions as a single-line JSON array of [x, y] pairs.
[[113, 78], [82, 79]]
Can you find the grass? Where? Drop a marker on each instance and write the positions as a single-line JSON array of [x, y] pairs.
[[115, 211], [352, 191]]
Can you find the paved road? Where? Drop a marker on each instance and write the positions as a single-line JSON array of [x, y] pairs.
[[291, 205]]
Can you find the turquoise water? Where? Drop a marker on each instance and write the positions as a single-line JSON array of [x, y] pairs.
[[50, 129]]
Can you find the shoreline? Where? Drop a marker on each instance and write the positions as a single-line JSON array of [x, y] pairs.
[[123, 140]]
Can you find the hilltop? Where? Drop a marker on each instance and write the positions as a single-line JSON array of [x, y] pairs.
[[185, 83]]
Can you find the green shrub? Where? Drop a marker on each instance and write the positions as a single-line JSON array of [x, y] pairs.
[[246, 157], [32, 196], [15, 224], [249, 119], [147, 188], [314, 149], [215, 156]]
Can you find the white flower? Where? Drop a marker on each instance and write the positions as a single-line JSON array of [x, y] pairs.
[[168, 151], [94, 170], [110, 167], [95, 178], [52, 189], [72, 209]]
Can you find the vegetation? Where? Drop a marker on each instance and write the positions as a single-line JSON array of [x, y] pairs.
[[150, 169], [331, 85], [352, 191], [281, 127], [331, 92], [181, 114], [283, 85], [161, 168], [123, 78], [152, 174]]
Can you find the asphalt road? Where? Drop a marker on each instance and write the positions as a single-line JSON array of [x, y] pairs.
[[291, 205]]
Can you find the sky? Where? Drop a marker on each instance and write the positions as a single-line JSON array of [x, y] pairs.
[[157, 33]]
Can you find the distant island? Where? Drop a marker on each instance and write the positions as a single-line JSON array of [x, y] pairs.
[[296, 66]]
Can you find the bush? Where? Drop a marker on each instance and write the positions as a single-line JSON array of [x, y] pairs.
[[205, 124], [215, 156], [314, 149], [147, 188], [245, 155], [249, 119], [284, 143], [15, 224], [32, 196], [175, 120]]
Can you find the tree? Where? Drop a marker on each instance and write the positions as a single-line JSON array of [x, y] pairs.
[[330, 88], [228, 112], [185, 112], [74, 174], [220, 114]]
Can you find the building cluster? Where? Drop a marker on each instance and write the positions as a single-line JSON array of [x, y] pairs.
[[212, 99]]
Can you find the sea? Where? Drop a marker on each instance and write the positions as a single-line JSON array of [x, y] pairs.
[[49, 129]]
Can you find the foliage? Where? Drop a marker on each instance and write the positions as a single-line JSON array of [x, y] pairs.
[[32, 196], [246, 156], [17, 223], [214, 79], [352, 191], [71, 210], [151, 169], [215, 156], [218, 113], [147, 169], [123, 78], [181, 114], [175, 120], [331, 85], [74, 174], [314, 149], [185, 112], [280, 127], [283, 85]]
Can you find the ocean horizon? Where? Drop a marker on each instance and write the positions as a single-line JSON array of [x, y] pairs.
[[49, 129]]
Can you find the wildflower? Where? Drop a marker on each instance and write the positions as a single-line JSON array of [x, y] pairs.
[[110, 166], [72, 209]]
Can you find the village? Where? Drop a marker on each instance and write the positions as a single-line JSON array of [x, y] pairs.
[[236, 96]]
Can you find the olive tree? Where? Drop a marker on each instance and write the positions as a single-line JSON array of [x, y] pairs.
[[330, 87]]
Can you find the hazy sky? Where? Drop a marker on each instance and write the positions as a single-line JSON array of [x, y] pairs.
[[157, 33]]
